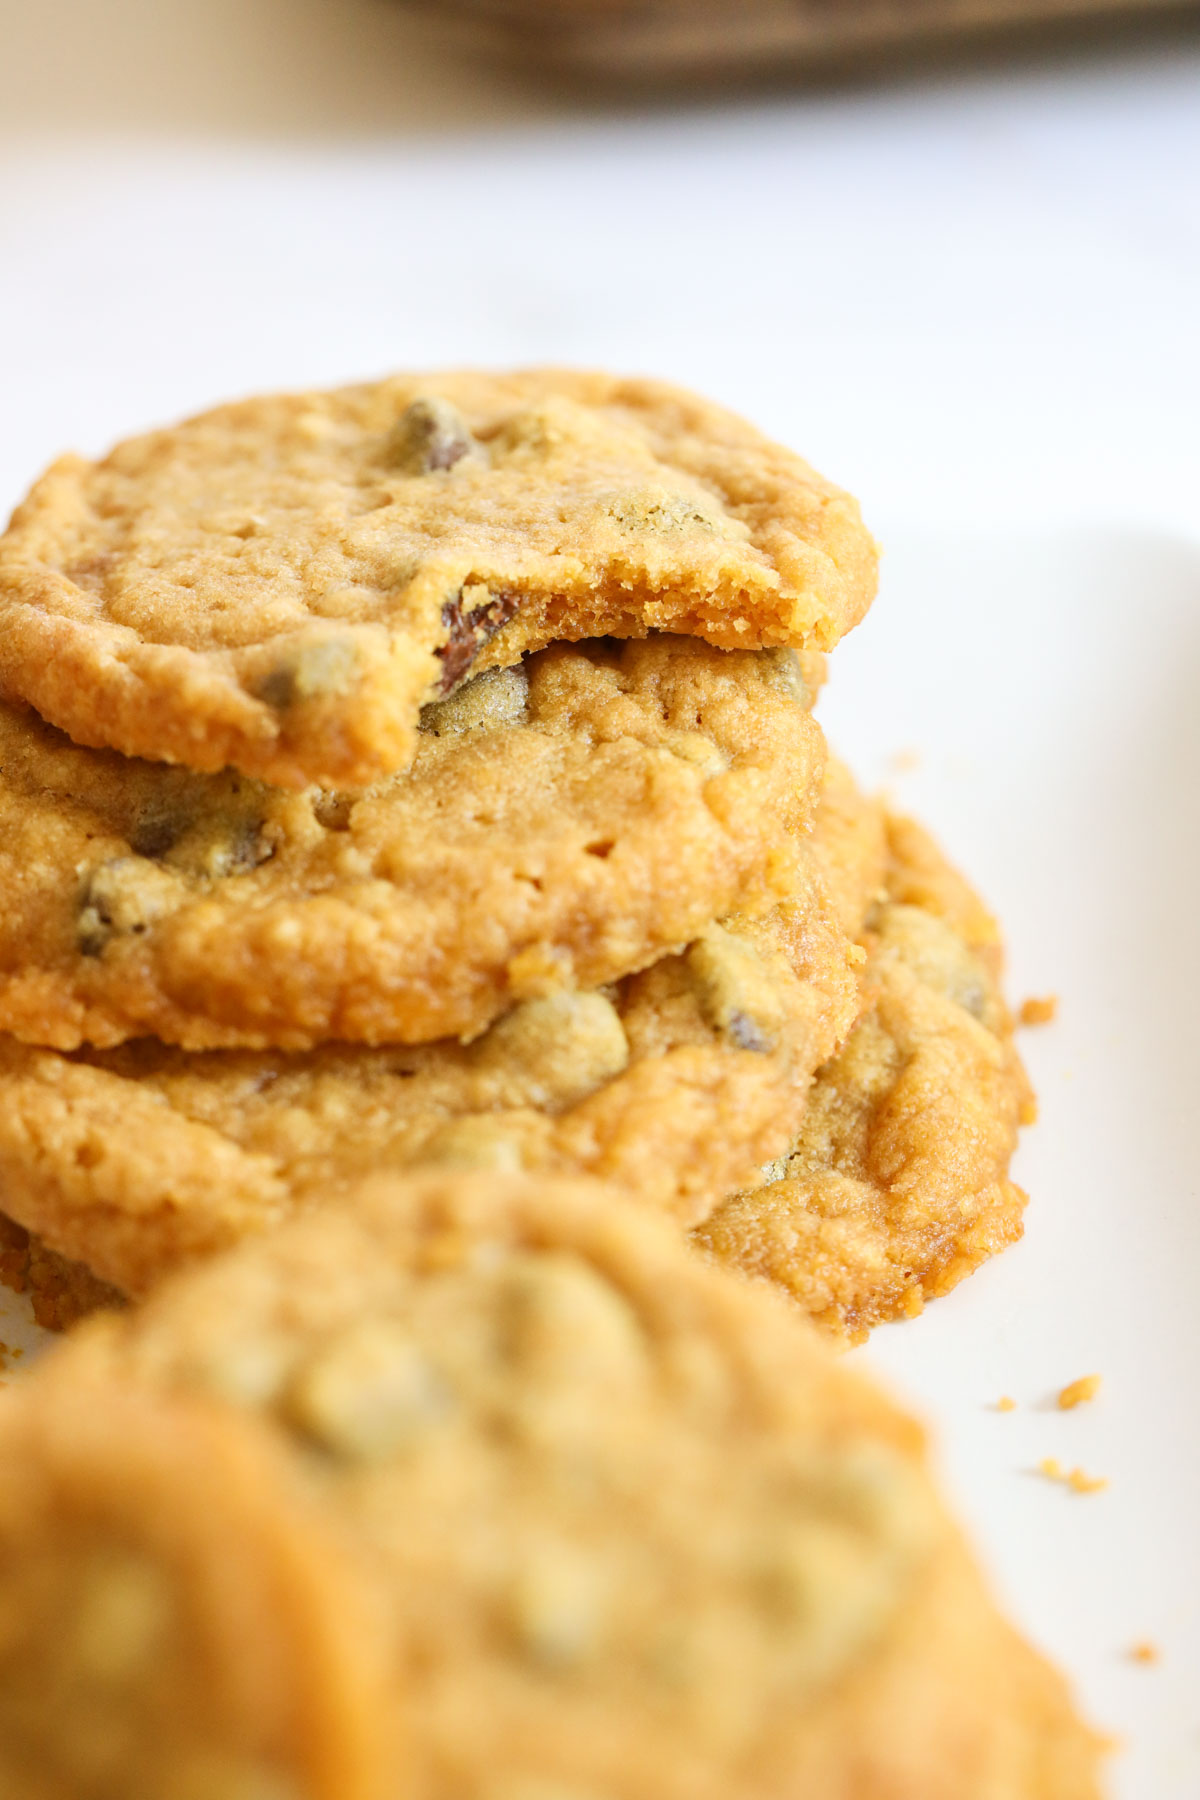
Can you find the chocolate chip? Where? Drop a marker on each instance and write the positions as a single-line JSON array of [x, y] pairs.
[[487, 702], [746, 1033], [468, 631], [430, 434], [306, 671], [225, 840], [370, 1394], [735, 992], [332, 809], [782, 670], [122, 898], [558, 1048], [154, 833]]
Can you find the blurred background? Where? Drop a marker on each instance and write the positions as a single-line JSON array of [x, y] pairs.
[[956, 261], [964, 278]]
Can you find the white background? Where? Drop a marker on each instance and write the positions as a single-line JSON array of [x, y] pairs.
[[973, 295]]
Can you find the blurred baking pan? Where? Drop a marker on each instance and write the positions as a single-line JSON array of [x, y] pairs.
[[650, 40]]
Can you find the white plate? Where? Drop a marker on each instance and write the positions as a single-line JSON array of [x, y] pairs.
[[1048, 686]]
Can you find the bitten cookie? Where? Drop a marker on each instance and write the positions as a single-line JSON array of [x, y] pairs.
[[607, 1522], [564, 822], [281, 584], [897, 1185]]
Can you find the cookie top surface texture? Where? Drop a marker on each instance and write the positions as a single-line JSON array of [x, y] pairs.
[[281, 584], [563, 822], [628, 1529], [897, 1185]]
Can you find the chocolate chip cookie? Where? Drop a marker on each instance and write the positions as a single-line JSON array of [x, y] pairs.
[[679, 1082], [564, 822], [897, 1185], [604, 1521], [280, 585], [212, 1642]]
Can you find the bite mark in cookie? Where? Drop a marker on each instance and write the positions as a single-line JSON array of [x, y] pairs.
[[469, 627], [281, 584]]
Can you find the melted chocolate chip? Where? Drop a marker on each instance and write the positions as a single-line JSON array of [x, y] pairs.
[[468, 632], [154, 834]]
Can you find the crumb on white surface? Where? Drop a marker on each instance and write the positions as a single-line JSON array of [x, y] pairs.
[[1076, 1479], [1078, 1393]]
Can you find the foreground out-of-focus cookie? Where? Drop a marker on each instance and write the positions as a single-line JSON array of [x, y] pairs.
[[176, 1620], [563, 823], [897, 1186], [679, 1083], [281, 584], [606, 1523]]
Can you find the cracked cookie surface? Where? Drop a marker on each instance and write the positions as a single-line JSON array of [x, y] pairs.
[[279, 585], [897, 1185], [612, 1523], [563, 822], [679, 1082]]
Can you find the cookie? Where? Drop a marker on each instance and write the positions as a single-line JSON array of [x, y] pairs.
[[678, 1082], [563, 823], [897, 1185], [280, 585], [615, 1523], [209, 1641]]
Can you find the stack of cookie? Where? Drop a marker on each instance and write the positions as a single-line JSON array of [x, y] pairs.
[[425, 773], [422, 778]]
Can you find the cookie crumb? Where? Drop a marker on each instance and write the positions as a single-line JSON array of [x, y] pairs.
[[1036, 1011], [1077, 1480], [1078, 1393], [1145, 1652], [1005, 1403], [903, 762]]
